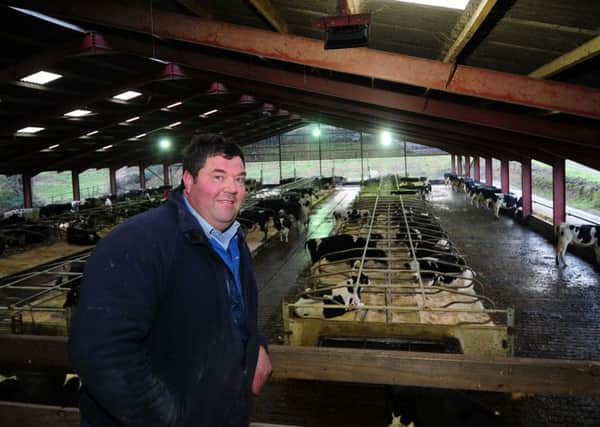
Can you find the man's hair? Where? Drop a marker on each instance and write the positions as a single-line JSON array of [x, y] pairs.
[[207, 145]]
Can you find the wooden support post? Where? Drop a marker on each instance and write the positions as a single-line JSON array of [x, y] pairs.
[[279, 150], [467, 166], [489, 172], [476, 168], [112, 179], [504, 176], [558, 191], [75, 185], [526, 187], [459, 165], [166, 179], [27, 194], [142, 168], [453, 163]]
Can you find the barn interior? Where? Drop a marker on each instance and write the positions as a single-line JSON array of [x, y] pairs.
[[513, 80]]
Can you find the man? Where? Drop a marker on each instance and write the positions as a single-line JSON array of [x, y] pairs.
[[166, 332]]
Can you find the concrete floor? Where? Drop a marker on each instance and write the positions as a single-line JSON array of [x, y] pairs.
[[557, 315]]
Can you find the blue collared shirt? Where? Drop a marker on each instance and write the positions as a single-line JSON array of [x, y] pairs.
[[230, 254], [222, 237]]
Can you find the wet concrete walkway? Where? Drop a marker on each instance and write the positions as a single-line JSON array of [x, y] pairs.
[[557, 315]]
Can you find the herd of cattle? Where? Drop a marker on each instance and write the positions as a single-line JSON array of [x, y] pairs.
[[77, 222], [490, 197], [378, 238], [484, 195]]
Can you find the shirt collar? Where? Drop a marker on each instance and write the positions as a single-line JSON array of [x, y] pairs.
[[222, 237]]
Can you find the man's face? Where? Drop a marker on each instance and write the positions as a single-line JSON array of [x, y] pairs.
[[218, 191]]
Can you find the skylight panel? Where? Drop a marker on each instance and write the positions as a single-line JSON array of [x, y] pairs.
[[41, 77], [30, 130], [127, 95], [78, 113], [451, 4]]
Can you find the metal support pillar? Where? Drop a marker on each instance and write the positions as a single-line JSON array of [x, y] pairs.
[[27, 195], [142, 168], [459, 166], [476, 169], [467, 166], [558, 191], [489, 173], [526, 187], [112, 180], [75, 185], [362, 159], [279, 147], [166, 178], [453, 163], [504, 176]]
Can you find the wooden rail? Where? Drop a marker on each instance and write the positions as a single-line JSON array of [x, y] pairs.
[[451, 371]]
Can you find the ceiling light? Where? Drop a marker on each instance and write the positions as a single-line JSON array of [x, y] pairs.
[[78, 113], [176, 104], [41, 77], [172, 125], [386, 137], [316, 132], [208, 113], [94, 132], [452, 4], [164, 143], [127, 95], [47, 18], [30, 129], [141, 135], [52, 147], [106, 147], [133, 119]]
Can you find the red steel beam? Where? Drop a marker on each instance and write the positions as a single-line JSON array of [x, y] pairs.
[[558, 191], [242, 73], [476, 169], [89, 43], [526, 187], [504, 176], [460, 79]]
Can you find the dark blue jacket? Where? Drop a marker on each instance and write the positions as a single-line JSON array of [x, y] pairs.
[[153, 339]]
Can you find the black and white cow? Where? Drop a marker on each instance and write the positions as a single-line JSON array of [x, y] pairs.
[[81, 233], [283, 224], [342, 247], [503, 201], [256, 216], [584, 235], [305, 211], [345, 294]]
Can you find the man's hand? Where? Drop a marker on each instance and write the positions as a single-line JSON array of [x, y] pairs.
[[263, 370]]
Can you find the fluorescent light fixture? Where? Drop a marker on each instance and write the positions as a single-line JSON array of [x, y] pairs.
[[208, 113], [127, 95], [133, 119], [52, 147], [106, 147], [141, 135], [41, 77], [78, 113], [30, 129], [94, 132], [176, 104], [451, 4], [172, 125]]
